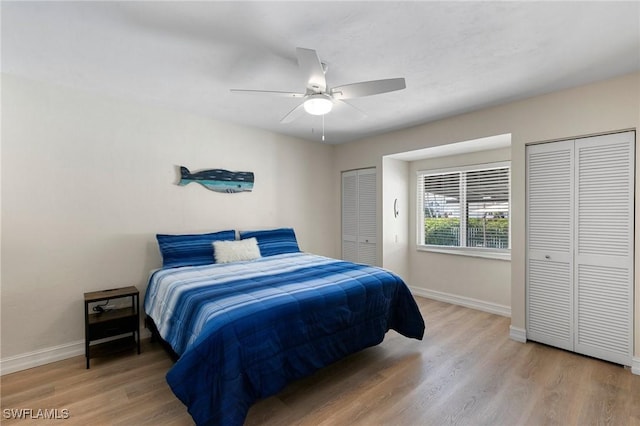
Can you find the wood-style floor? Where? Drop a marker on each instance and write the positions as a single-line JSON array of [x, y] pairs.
[[466, 371]]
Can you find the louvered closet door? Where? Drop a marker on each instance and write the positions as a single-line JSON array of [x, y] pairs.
[[549, 244], [604, 246], [367, 227], [350, 216], [359, 227]]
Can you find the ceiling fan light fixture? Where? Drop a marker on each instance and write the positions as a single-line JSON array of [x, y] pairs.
[[318, 104]]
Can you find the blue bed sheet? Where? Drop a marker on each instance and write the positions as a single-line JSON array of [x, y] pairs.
[[244, 330]]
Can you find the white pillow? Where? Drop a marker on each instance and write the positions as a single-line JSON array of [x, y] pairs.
[[234, 251]]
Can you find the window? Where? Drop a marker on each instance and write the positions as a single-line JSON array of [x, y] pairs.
[[465, 208]]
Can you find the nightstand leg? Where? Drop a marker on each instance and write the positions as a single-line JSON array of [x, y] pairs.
[[138, 318], [86, 332]]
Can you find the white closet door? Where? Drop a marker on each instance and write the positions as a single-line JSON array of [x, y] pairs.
[[549, 244], [359, 226], [350, 216], [604, 246], [367, 227]]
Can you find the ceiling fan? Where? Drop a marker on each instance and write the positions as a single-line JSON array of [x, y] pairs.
[[318, 98]]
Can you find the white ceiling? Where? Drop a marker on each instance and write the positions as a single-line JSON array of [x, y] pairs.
[[455, 56]]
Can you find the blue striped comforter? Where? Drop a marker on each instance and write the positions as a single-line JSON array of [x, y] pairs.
[[244, 330]]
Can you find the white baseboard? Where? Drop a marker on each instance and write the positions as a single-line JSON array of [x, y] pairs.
[[47, 355], [40, 357], [467, 302], [635, 365], [518, 334]]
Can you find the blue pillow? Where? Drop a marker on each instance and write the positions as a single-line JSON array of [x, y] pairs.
[[190, 249], [274, 241]]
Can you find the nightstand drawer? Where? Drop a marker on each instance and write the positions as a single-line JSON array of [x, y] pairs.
[[113, 327]]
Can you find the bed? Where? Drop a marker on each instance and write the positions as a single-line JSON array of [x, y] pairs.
[[243, 329]]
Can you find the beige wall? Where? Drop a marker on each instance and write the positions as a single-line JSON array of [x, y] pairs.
[[87, 181], [602, 107], [395, 230]]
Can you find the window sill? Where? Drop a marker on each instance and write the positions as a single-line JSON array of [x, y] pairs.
[[471, 252]]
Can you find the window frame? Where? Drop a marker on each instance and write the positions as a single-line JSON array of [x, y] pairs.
[[492, 253]]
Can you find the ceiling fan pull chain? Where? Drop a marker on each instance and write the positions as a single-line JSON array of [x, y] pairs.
[[323, 128]]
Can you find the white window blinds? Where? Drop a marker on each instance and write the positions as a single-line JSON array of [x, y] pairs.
[[464, 208]]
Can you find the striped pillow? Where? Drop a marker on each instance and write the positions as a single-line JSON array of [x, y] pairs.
[[190, 249], [273, 241]]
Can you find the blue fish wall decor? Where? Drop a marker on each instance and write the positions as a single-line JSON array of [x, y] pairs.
[[218, 180]]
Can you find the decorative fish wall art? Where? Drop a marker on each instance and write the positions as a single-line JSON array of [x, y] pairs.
[[218, 180]]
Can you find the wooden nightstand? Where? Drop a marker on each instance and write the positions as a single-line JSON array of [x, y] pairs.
[[120, 321]]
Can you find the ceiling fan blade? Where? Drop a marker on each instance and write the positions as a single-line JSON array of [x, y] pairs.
[[269, 92], [312, 69], [294, 114], [368, 88], [350, 109]]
